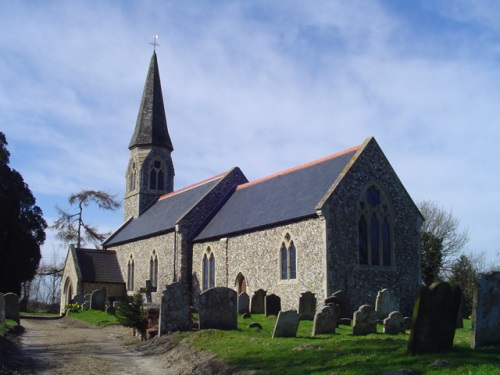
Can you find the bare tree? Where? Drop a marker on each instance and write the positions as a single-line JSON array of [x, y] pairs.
[[70, 226], [440, 225]]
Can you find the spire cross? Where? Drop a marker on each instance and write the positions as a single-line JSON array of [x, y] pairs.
[[154, 44]]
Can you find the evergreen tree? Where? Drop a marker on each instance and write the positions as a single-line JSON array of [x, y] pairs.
[[464, 274], [431, 249], [130, 313], [22, 227]]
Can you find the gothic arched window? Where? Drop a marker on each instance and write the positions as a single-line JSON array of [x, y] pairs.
[[208, 275], [153, 270], [157, 176], [132, 177], [374, 229], [288, 259], [130, 274]]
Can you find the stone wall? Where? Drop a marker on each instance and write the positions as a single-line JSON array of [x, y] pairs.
[[256, 256], [69, 280]]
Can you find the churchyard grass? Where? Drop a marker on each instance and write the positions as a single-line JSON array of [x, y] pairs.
[[342, 353], [95, 317], [9, 324]]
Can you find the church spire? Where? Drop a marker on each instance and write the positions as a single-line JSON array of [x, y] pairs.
[[151, 127]]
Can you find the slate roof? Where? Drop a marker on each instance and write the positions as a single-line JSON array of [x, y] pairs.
[[286, 196], [151, 127], [99, 266], [162, 216]]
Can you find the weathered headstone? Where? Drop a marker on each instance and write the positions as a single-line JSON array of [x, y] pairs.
[[434, 318], [338, 313], [243, 303], [86, 305], [2, 310], [218, 309], [258, 302], [86, 297], [340, 298], [98, 299], [364, 321], [11, 306], [174, 309], [394, 324], [79, 298], [307, 306], [325, 321], [486, 311], [272, 305], [287, 324], [385, 303]]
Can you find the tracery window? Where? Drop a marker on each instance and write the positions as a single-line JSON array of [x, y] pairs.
[[153, 270], [374, 229], [208, 275], [288, 259], [157, 176], [130, 274]]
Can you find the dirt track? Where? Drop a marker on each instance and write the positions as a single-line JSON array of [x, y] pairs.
[[68, 346]]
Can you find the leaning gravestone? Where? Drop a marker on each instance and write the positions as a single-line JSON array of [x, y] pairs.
[[258, 302], [2, 310], [243, 303], [434, 318], [394, 324], [175, 314], [98, 299], [325, 321], [272, 305], [218, 309], [307, 306], [385, 303], [486, 311], [287, 324], [364, 321], [11, 306]]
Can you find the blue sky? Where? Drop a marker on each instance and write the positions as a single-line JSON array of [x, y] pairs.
[[260, 85]]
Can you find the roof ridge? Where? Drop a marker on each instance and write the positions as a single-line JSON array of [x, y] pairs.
[[301, 166], [206, 181]]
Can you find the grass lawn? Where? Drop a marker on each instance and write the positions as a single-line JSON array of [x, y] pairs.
[[94, 317], [342, 353], [9, 323]]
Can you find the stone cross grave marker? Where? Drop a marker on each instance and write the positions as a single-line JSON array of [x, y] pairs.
[[174, 309], [257, 303], [287, 324], [218, 309], [434, 318], [325, 321], [385, 303], [98, 299], [364, 321], [272, 305], [307, 306], [486, 311], [395, 323], [243, 303], [2, 310], [11, 306]]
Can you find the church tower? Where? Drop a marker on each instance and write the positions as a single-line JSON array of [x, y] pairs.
[[150, 170]]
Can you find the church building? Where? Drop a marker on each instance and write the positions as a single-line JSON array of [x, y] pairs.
[[344, 222]]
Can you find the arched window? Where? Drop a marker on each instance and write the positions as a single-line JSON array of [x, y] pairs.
[[157, 176], [208, 270], [288, 259], [130, 274], [131, 176], [374, 229], [153, 270]]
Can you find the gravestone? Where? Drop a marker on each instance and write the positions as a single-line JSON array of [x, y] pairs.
[[218, 309], [175, 314], [338, 313], [258, 302], [434, 318], [364, 321], [385, 303], [394, 324], [98, 299], [86, 305], [86, 297], [325, 321], [2, 310], [486, 311], [287, 324], [340, 298], [111, 310], [11, 301], [307, 306], [116, 304], [272, 305], [79, 298], [243, 303]]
